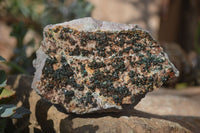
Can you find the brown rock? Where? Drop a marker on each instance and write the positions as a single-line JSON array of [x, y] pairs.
[[172, 102], [87, 65]]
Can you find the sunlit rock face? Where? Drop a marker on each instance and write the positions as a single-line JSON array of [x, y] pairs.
[[87, 65]]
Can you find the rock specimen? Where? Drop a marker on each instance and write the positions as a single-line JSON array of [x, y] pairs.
[[87, 65]]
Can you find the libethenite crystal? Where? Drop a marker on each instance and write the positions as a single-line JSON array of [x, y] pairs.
[[87, 65]]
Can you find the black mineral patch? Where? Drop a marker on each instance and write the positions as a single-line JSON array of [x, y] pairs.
[[68, 95]]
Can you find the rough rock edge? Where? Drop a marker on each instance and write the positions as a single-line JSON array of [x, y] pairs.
[[38, 64], [94, 25]]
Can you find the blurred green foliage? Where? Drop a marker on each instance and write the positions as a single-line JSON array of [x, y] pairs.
[[24, 15], [20, 62], [55, 12]]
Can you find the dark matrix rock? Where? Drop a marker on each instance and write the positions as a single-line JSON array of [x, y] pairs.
[[87, 65]]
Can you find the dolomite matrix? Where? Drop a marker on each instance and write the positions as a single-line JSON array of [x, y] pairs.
[[87, 65]]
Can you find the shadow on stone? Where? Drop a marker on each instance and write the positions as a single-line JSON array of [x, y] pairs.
[[66, 125], [189, 122], [41, 111]]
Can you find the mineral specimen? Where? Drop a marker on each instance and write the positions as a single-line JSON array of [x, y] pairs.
[[87, 65]]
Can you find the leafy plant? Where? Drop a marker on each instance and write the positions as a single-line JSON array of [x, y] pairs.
[[8, 110]]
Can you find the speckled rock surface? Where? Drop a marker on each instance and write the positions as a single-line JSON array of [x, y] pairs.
[[87, 65]]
